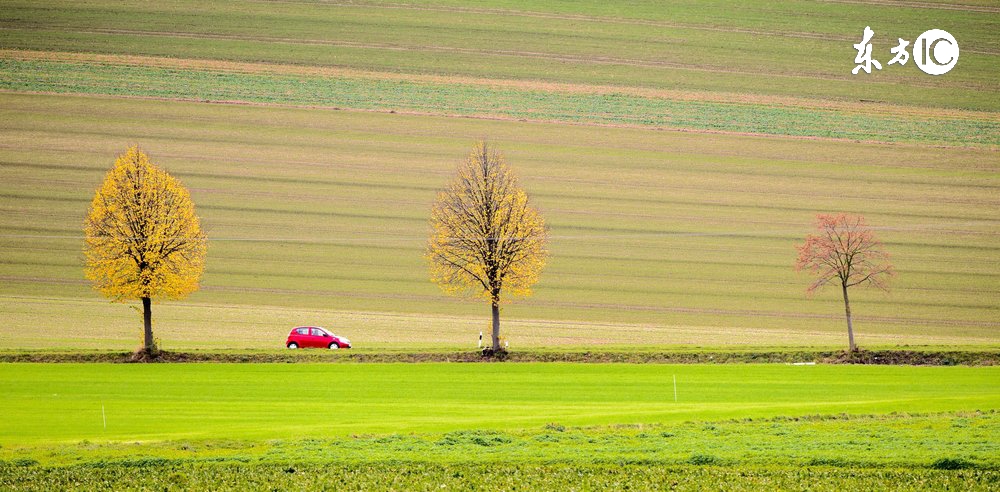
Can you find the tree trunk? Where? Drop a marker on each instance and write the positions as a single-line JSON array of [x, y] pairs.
[[496, 326], [850, 329], [147, 322]]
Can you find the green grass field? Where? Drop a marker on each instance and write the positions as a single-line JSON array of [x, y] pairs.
[[222, 425], [285, 401]]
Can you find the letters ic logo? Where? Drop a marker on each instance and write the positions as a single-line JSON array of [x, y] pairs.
[[935, 52]]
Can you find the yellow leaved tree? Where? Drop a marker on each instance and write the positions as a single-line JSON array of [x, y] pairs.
[[143, 239], [487, 240]]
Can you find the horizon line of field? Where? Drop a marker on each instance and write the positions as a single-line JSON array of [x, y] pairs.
[[696, 116]]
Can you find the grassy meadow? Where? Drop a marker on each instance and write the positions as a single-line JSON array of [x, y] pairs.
[[496, 426], [170, 402], [678, 153]]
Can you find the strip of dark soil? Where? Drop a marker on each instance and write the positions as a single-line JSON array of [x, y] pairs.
[[883, 357]]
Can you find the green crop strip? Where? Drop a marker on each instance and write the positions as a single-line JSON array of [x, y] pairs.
[[800, 49], [836, 452], [477, 101], [257, 401], [894, 440], [487, 477]]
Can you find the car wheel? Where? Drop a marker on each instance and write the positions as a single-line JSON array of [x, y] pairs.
[[334, 346], [293, 345]]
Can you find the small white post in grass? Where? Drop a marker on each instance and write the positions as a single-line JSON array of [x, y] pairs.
[[675, 388], [104, 418]]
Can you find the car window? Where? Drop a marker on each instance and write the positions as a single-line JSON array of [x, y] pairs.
[[318, 332], [302, 331]]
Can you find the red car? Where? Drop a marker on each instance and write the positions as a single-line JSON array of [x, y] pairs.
[[314, 336]]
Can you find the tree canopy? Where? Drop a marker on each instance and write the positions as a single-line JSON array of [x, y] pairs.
[[487, 240], [143, 238], [844, 251]]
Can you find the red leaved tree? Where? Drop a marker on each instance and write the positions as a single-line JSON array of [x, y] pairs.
[[844, 251]]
